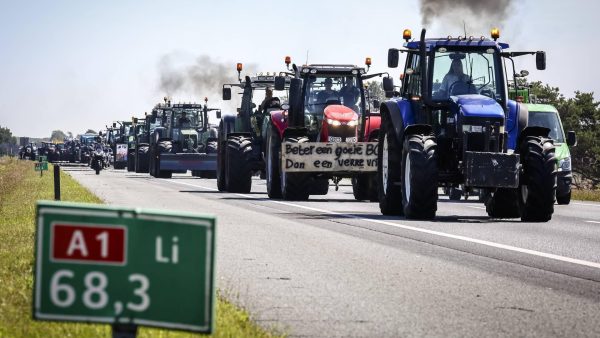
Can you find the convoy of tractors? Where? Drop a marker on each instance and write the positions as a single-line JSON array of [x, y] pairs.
[[461, 121]]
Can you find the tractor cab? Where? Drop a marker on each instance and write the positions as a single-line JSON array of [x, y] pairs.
[[182, 122]]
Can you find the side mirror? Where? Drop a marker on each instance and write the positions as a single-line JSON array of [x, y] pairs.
[[226, 93], [285, 106], [388, 84], [114, 124], [540, 60], [571, 139], [376, 104], [279, 83], [218, 114], [393, 57]]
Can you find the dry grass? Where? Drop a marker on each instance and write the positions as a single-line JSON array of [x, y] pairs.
[[20, 188]]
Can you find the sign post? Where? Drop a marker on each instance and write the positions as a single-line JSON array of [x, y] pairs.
[[41, 165], [125, 267]]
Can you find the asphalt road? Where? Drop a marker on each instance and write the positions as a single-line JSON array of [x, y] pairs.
[[332, 266]]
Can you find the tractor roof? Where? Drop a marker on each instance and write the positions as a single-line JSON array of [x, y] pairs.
[[454, 42], [541, 108], [332, 68], [187, 105]]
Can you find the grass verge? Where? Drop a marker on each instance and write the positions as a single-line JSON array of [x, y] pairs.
[[585, 195], [20, 188]]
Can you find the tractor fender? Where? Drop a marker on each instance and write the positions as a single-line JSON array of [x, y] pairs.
[[418, 129], [159, 134], [372, 128], [532, 131], [226, 127], [390, 111], [516, 122], [279, 121]]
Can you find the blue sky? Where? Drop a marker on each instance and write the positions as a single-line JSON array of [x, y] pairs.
[[74, 65]]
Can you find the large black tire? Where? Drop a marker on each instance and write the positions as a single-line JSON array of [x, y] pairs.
[[163, 147], [419, 176], [130, 161], [389, 162], [360, 187], [538, 182], [142, 159], [503, 203], [211, 148], [238, 173], [295, 186], [455, 194], [221, 166], [564, 199], [273, 157]]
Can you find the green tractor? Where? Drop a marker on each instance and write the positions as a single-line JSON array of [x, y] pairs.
[[136, 125], [182, 140]]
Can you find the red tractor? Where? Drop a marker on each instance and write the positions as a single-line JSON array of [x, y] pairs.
[[327, 131]]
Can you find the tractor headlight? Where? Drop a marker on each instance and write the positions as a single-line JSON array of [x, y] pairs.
[[352, 123], [473, 129], [334, 123], [564, 164]]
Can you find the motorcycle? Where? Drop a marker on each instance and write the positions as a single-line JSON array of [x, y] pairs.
[[98, 161]]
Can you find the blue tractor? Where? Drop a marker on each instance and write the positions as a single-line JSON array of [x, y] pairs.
[[452, 123]]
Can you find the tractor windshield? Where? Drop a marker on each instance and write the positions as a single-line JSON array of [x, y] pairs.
[[547, 120], [187, 118], [461, 72], [323, 90]]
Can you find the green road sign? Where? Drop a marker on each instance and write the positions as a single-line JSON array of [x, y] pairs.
[[106, 264], [39, 166], [42, 158]]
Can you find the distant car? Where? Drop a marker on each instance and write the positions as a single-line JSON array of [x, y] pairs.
[[545, 115]]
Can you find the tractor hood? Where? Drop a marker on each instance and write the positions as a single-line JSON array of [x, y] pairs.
[[340, 113], [475, 105]]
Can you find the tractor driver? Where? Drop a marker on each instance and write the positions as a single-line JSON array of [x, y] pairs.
[[184, 120], [328, 93], [455, 82], [350, 93], [269, 101]]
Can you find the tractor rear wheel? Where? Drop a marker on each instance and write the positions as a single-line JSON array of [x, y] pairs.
[[131, 161], [273, 156], [360, 187], [504, 203], [419, 176], [238, 173], [564, 199], [389, 164], [141, 159], [295, 186], [538, 184], [221, 165], [455, 194], [164, 147]]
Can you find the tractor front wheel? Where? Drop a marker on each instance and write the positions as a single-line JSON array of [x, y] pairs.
[[538, 184], [273, 156], [389, 171], [295, 186], [419, 177]]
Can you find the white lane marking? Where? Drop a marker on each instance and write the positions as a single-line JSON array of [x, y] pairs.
[[430, 232], [593, 222], [474, 207], [586, 204]]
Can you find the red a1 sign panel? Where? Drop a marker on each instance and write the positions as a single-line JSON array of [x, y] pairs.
[[90, 243]]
